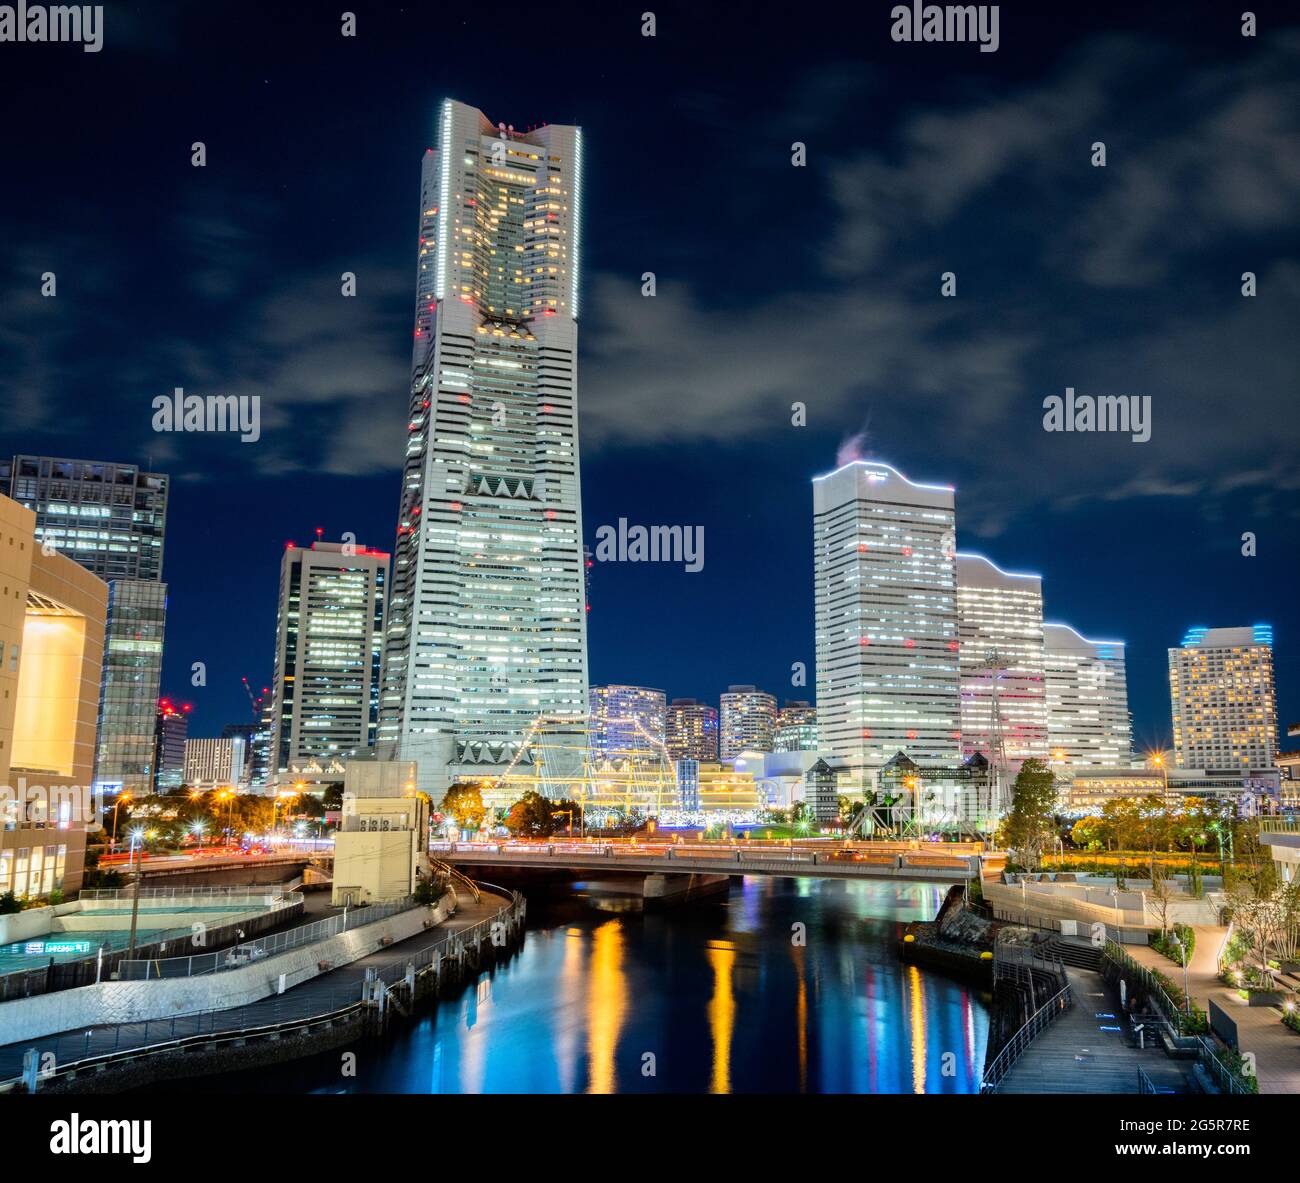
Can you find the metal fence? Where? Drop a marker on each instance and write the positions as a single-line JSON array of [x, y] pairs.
[[158, 893], [249, 952], [1040, 1019], [78, 1050]]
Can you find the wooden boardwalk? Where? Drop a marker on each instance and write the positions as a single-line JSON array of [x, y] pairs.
[[1087, 1050]]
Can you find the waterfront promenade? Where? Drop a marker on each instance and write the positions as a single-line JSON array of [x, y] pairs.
[[319, 995], [1259, 1028]]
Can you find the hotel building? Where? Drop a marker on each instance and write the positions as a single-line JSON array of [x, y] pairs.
[[212, 763], [691, 731], [747, 721], [1088, 723], [796, 728], [1223, 699], [52, 620], [329, 637], [487, 624], [110, 518], [1000, 627], [886, 619], [626, 719]]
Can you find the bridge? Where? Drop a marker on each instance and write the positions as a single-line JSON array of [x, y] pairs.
[[660, 861]]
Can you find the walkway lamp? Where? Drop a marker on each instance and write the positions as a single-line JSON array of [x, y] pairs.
[[1182, 956]]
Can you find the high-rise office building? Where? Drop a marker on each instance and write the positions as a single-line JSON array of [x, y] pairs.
[[210, 763], [746, 721], [487, 620], [626, 719], [111, 519], [691, 731], [1003, 696], [886, 619], [171, 726], [796, 728], [248, 732], [329, 639], [1087, 700], [1223, 698]]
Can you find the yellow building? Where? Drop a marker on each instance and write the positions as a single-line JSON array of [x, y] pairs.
[[383, 835], [52, 614]]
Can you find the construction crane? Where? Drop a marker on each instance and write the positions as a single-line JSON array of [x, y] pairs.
[[255, 701]]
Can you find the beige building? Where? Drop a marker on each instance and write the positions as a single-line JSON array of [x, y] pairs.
[[52, 614], [383, 835]]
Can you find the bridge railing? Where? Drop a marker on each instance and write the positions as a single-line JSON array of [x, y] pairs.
[[1001, 1064], [249, 952]]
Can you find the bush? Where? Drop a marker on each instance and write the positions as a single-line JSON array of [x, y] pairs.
[[1164, 943], [428, 892], [1292, 1019], [9, 904]]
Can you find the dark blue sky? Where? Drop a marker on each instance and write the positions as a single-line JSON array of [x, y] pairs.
[[775, 285]]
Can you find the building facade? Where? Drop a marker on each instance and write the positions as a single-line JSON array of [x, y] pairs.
[[691, 730], [487, 627], [329, 640], [171, 726], [796, 727], [626, 719], [110, 519], [1000, 628], [53, 616], [746, 721], [1223, 698], [1088, 721], [886, 618], [211, 763]]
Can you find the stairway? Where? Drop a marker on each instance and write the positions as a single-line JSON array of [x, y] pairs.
[[1077, 953]]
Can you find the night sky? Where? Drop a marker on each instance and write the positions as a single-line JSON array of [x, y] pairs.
[[775, 284]]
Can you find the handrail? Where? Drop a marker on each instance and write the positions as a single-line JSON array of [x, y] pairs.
[[459, 876], [335, 1005], [1029, 1030]]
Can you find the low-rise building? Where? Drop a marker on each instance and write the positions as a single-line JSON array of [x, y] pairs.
[[380, 849]]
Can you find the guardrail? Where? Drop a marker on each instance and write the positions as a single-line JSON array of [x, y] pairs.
[[1028, 1032], [92, 1049], [158, 893], [248, 952]]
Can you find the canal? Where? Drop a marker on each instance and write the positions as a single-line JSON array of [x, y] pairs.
[[782, 985]]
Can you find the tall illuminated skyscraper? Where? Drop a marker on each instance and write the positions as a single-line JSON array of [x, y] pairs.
[[1223, 698], [487, 622], [1000, 626], [746, 721], [329, 634], [886, 617], [691, 730], [1087, 700]]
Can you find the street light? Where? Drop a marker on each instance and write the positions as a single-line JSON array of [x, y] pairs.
[[1182, 956], [125, 795], [1158, 759]]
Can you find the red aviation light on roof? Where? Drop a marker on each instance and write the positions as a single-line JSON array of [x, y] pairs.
[[952, 645], [455, 505], [911, 735], [910, 644], [866, 733], [907, 552]]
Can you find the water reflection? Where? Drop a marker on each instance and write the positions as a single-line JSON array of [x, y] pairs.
[[719, 995]]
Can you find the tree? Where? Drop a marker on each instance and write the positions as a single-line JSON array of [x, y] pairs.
[[530, 816], [1161, 896], [1088, 833], [465, 803], [1028, 826]]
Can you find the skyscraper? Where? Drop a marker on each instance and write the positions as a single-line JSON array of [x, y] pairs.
[[1003, 697], [796, 728], [329, 635], [212, 763], [171, 726], [626, 718], [111, 519], [1087, 700], [487, 622], [691, 732], [1223, 698], [886, 618], [747, 721]]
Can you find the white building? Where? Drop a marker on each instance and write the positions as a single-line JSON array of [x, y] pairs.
[[1223, 698], [886, 618], [213, 762], [1003, 699], [329, 638], [1087, 700], [746, 721], [487, 622]]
